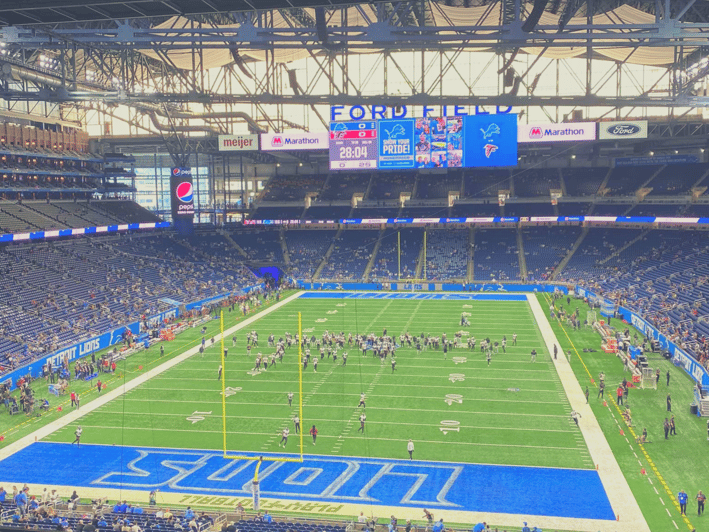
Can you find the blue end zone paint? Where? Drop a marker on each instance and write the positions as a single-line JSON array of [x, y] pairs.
[[573, 493], [415, 296]]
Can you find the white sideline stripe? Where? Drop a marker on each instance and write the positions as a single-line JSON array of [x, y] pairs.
[[113, 394], [619, 494]]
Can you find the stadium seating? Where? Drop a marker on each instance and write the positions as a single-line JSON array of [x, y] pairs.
[[424, 212], [438, 185], [676, 179], [386, 264], [55, 294], [545, 247], [574, 208], [626, 180], [484, 183], [306, 250], [583, 181], [447, 254], [344, 185], [326, 212], [70, 520], [646, 209], [388, 186], [476, 209], [610, 209], [496, 255], [127, 211], [375, 212], [36, 215], [292, 187], [598, 245], [262, 246], [350, 256], [529, 209], [277, 213], [529, 183], [698, 210]]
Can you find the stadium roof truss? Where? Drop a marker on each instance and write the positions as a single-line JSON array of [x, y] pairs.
[[212, 66]]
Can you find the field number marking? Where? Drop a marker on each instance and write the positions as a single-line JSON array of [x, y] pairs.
[[453, 398], [448, 425], [197, 416]]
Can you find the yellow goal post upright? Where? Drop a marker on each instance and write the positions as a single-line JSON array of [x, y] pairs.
[[261, 459]]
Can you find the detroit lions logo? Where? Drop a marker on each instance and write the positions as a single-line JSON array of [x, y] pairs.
[[396, 131], [489, 149], [492, 129]]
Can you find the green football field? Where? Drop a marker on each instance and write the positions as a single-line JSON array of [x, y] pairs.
[[517, 409], [512, 412]]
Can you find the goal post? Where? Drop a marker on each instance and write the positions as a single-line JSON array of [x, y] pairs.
[[265, 458]]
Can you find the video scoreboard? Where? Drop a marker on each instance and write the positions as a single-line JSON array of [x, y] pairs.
[[448, 142], [353, 145]]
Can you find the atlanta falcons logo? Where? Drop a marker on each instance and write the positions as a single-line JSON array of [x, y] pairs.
[[489, 148]]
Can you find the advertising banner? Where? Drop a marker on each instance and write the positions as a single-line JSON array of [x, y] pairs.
[[629, 129], [569, 132], [181, 193], [294, 141], [237, 142]]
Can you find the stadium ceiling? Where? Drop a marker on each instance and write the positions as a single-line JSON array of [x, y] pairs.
[[32, 12], [186, 66]]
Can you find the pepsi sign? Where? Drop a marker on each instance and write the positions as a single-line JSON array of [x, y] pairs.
[[184, 192], [181, 194]]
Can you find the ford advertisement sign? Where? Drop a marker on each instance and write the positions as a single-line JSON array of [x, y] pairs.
[[629, 129]]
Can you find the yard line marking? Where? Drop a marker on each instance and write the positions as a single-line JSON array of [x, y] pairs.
[[349, 422], [476, 444], [278, 393], [371, 408]]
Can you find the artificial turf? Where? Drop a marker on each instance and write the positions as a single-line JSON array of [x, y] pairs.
[[513, 412], [498, 424], [681, 460]]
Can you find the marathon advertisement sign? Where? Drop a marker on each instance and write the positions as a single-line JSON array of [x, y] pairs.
[[238, 142], [571, 132], [181, 194], [295, 141], [628, 129]]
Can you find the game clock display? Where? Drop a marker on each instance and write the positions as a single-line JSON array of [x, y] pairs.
[[353, 146], [451, 142]]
